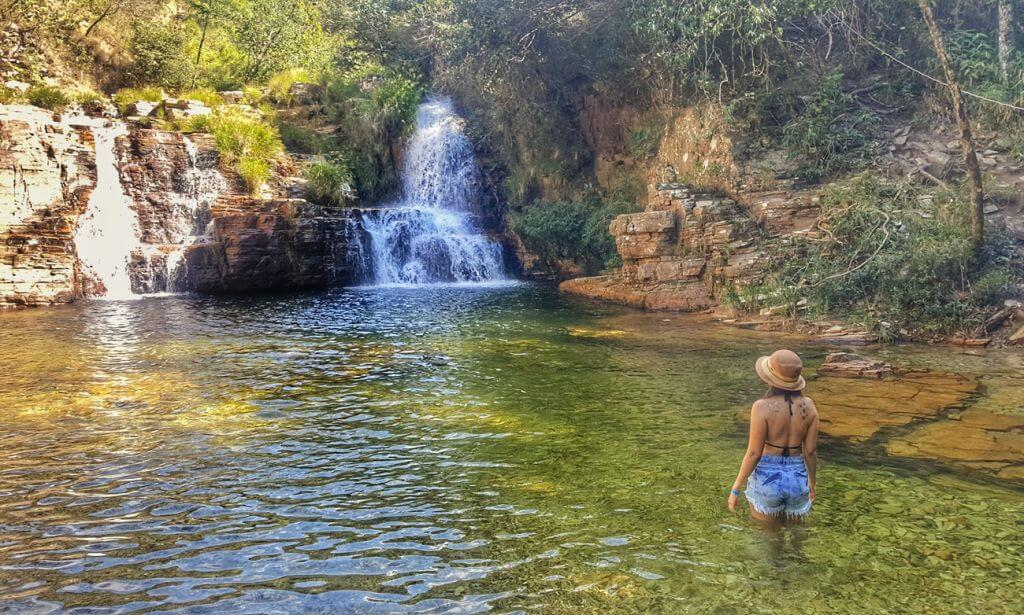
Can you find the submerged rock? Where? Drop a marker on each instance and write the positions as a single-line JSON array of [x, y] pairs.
[[847, 364]]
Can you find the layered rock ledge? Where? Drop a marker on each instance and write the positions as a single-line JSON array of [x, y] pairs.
[[686, 249], [47, 172]]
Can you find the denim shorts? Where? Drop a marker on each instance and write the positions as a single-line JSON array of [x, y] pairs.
[[778, 487]]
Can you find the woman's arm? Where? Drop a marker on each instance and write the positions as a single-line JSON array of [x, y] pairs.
[[810, 448], [755, 447]]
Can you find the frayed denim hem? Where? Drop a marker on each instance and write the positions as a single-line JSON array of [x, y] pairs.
[[796, 515]]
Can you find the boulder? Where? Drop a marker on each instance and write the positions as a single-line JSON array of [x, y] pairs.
[[1017, 337], [273, 245], [140, 108]]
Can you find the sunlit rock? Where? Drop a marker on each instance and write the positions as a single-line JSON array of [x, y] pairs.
[[47, 171]]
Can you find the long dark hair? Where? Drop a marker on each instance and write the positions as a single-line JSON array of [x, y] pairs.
[[772, 391]]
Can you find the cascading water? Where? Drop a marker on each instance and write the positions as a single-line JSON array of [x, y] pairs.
[[203, 184], [108, 231], [430, 236]]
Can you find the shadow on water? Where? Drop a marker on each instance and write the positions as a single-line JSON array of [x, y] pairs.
[[459, 449]]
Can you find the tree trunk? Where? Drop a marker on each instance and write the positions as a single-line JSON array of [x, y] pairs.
[[1005, 38], [199, 52], [966, 138]]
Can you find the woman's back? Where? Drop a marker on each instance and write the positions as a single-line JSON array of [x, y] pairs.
[[788, 417]]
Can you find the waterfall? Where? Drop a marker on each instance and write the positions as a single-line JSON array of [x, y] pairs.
[[108, 231], [431, 235], [203, 183]]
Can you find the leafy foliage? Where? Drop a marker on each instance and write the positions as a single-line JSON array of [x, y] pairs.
[[829, 134], [159, 57], [576, 230]]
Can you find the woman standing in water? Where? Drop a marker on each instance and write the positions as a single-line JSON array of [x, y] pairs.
[[781, 458]]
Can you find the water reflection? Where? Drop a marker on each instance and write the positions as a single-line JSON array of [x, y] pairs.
[[452, 451]]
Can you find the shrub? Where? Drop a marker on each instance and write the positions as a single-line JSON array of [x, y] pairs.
[[85, 97], [159, 56], [279, 86], [252, 95], [995, 287], [371, 107], [829, 134], [48, 97], [576, 230], [208, 97], [329, 182], [9, 96], [245, 141], [644, 141], [304, 140]]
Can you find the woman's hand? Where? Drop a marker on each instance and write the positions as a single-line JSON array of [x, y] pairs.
[[733, 500], [810, 486]]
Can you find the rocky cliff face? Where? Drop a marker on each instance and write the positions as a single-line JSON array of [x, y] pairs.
[[687, 248], [201, 231], [198, 228], [274, 244], [47, 171], [689, 244]]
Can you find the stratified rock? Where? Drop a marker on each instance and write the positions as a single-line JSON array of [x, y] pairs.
[[849, 365], [47, 171], [285, 244], [987, 434], [675, 256]]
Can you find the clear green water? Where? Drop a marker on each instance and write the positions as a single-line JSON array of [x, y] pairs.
[[457, 450]]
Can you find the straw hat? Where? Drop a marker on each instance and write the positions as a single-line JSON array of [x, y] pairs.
[[782, 370]]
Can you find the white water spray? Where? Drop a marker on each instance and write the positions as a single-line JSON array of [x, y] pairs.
[[108, 231], [430, 236]]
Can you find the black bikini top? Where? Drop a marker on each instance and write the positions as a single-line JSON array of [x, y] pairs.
[[786, 449]]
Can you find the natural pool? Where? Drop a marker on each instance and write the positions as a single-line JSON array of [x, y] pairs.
[[454, 450]]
